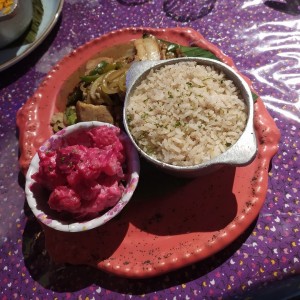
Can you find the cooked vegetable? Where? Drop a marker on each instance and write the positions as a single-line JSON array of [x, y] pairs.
[[114, 81], [147, 49], [100, 92], [89, 78], [96, 87], [254, 96], [37, 17], [189, 51], [70, 116], [102, 68], [57, 122]]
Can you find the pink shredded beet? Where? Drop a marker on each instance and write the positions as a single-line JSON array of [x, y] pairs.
[[84, 180]]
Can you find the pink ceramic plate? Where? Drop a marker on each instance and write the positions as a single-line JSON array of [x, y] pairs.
[[170, 222]]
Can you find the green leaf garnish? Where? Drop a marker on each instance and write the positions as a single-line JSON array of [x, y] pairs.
[[254, 96]]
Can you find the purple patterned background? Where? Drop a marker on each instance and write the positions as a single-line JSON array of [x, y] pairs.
[[263, 39]]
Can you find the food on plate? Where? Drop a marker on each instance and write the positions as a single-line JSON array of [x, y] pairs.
[[100, 93], [147, 49], [185, 113], [86, 175]]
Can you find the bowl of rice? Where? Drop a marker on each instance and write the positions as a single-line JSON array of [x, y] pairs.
[[189, 116]]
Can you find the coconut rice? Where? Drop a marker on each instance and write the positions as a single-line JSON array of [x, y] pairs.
[[186, 114]]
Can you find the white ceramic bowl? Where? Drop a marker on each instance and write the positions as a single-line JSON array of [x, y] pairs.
[[37, 197], [14, 23], [239, 154]]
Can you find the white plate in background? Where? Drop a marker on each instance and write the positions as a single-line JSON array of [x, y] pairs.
[[11, 55]]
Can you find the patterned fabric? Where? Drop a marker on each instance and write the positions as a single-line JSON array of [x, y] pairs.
[[263, 41]]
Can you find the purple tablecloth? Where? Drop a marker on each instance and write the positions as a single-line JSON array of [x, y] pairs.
[[263, 39]]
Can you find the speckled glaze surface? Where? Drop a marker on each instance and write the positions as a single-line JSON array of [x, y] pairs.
[[262, 39]]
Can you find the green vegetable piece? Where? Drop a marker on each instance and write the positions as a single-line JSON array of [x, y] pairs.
[[89, 78], [189, 51], [118, 65], [99, 68], [70, 115], [129, 118], [177, 124], [254, 96], [37, 16], [102, 68], [144, 116], [196, 52], [109, 67]]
